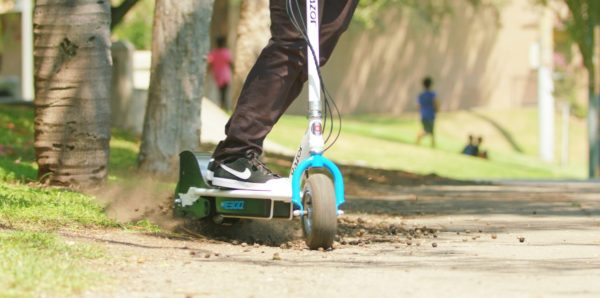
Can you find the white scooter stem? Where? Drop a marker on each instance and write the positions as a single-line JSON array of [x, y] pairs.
[[315, 125]]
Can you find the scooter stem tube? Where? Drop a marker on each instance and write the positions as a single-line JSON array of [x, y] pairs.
[[315, 123], [314, 134]]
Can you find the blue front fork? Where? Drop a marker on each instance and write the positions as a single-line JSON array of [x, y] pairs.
[[317, 161]]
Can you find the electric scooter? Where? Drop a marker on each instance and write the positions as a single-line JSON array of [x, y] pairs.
[[310, 197]]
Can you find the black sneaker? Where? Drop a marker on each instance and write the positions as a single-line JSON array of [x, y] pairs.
[[245, 173], [210, 169]]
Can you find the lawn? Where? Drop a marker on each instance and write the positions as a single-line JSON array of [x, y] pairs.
[[34, 259], [35, 264], [510, 137]]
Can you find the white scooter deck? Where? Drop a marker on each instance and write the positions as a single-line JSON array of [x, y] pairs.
[[283, 195]]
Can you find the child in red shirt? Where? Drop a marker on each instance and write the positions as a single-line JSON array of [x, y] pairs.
[[219, 61]]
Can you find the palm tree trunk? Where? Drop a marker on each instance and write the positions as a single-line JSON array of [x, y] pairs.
[[179, 46], [72, 81]]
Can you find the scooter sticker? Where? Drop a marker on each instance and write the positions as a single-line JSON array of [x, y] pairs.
[[316, 128], [313, 11], [233, 205], [296, 160]]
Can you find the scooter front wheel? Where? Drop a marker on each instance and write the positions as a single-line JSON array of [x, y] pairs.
[[319, 224]]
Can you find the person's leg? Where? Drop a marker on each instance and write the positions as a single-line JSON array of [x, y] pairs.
[[264, 94], [422, 133], [420, 136], [432, 133], [223, 94], [278, 76], [274, 82], [336, 18]]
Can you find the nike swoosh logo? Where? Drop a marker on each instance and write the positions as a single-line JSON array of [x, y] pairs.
[[242, 175]]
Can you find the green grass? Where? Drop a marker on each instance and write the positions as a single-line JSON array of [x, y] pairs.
[[124, 149], [33, 260], [25, 207], [36, 207], [41, 264], [17, 158], [11, 170], [509, 136]]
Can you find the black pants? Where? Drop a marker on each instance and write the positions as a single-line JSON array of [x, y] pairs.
[[278, 75]]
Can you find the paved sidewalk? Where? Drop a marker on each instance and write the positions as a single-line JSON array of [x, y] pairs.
[[515, 239], [511, 240]]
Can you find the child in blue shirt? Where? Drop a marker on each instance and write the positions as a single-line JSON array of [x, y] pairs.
[[428, 106]]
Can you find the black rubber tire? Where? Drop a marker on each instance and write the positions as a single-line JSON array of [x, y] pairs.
[[320, 223]]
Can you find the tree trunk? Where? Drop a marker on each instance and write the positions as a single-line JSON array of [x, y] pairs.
[[72, 100], [585, 16], [594, 106], [220, 20], [253, 33], [180, 44]]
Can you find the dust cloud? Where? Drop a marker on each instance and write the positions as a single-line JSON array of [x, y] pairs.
[[138, 199], [148, 198]]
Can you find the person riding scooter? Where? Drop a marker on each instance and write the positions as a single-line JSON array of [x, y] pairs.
[[273, 83]]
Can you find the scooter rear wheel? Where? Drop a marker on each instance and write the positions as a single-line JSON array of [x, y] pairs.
[[320, 222]]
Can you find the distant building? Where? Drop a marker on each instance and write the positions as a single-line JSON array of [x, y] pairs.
[[16, 50]]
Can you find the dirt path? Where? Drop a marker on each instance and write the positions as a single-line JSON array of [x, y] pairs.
[[511, 240]]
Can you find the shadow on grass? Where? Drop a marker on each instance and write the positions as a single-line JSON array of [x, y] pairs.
[[16, 171], [122, 162], [382, 119], [505, 133], [361, 180]]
